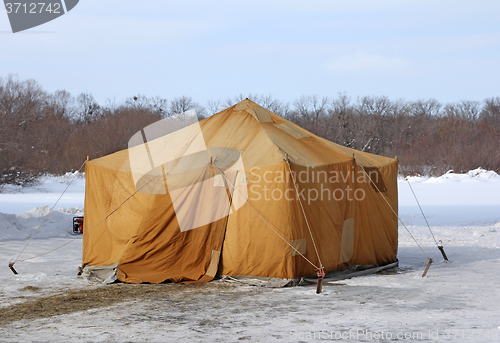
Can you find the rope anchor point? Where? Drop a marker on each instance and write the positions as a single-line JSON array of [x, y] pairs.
[[319, 283], [11, 266]]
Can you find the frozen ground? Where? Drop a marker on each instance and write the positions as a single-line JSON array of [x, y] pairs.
[[457, 301]]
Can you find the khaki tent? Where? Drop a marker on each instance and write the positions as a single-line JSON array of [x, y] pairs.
[[262, 197]]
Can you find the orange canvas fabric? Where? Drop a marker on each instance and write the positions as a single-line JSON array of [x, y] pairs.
[[143, 236]]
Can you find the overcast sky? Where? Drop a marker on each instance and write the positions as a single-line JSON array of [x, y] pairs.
[[447, 50]]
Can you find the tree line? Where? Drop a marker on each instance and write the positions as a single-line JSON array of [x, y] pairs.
[[43, 132]]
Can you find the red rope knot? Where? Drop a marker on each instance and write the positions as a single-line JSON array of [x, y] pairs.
[[320, 272]]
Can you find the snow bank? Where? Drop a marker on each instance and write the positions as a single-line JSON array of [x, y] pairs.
[[22, 209], [451, 199], [22, 226], [478, 174]]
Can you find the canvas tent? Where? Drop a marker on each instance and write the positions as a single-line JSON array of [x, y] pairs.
[[243, 192]]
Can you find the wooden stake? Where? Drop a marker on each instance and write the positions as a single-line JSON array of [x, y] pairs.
[[428, 266], [11, 266], [319, 287]]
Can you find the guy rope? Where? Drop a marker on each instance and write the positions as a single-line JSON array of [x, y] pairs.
[[319, 270], [429, 260], [440, 244], [13, 261]]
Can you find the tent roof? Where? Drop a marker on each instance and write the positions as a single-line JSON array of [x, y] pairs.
[[264, 138]]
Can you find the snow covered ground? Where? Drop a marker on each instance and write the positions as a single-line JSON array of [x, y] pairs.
[[457, 301]]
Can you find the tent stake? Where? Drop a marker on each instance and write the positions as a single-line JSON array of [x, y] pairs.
[[321, 276], [319, 286], [11, 266], [428, 266], [441, 248]]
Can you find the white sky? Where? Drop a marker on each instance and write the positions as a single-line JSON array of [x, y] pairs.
[[448, 50]]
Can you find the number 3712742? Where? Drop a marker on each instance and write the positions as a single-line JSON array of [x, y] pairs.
[[34, 7]]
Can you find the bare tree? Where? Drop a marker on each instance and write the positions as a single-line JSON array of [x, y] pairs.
[[156, 105], [183, 104], [54, 132], [214, 106], [88, 110], [311, 108]]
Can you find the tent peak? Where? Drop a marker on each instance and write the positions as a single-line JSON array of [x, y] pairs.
[[261, 114]]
